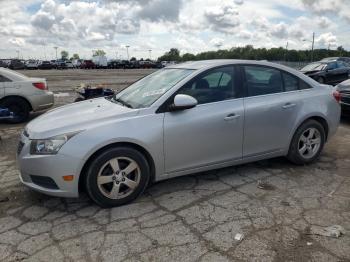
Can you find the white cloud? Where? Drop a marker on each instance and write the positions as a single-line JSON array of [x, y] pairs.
[[191, 25]]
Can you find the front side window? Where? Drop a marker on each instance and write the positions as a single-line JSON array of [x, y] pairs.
[[146, 91], [261, 80], [212, 86], [332, 66]]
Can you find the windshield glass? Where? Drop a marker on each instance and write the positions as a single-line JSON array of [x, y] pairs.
[[314, 66], [146, 91]]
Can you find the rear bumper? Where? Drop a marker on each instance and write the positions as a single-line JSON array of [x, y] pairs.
[[42, 101]]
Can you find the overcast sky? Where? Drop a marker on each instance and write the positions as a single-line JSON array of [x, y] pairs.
[[34, 27]]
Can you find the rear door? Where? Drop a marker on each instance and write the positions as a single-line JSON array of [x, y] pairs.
[[271, 108]]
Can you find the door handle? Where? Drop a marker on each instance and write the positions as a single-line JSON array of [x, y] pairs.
[[288, 105], [231, 117]]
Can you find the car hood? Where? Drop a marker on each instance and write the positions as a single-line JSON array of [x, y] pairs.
[[77, 116], [310, 72]]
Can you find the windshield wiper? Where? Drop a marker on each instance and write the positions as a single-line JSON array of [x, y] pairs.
[[124, 103]]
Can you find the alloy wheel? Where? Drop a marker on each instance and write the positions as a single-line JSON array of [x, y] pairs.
[[309, 143], [118, 177]]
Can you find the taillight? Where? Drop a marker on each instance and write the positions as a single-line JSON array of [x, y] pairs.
[[40, 85], [337, 96]]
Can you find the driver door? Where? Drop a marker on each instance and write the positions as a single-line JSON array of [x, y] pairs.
[[210, 133]]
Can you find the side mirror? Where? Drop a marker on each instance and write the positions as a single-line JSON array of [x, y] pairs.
[[182, 102]]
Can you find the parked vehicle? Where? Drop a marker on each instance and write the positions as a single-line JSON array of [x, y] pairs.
[[87, 64], [100, 61], [332, 72], [16, 64], [179, 120], [113, 64], [31, 64], [61, 65], [21, 94], [3, 63], [76, 63], [344, 90], [69, 65], [330, 59], [45, 65]]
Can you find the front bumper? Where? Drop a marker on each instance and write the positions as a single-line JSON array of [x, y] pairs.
[[32, 167]]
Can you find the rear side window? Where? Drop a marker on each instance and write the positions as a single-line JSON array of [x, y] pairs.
[[261, 80], [4, 79], [303, 85], [291, 83]]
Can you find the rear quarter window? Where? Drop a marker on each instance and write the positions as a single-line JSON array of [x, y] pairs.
[[303, 85]]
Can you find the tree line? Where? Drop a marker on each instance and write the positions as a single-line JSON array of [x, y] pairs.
[[251, 53]]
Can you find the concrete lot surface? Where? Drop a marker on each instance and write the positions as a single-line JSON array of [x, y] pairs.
[[275, 206]]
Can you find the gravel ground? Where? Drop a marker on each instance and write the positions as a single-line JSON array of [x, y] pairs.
[[192, 218]]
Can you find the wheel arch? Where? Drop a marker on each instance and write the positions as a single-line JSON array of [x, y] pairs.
[[322, 120], [139, 148], [17, 97]]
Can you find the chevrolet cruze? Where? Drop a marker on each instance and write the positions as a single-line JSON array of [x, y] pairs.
[[180, 120]]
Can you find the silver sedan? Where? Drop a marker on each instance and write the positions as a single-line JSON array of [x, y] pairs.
[[180, 120]]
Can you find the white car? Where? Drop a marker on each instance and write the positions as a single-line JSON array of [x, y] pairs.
[[21, 94], [31, 64], [69, 65]]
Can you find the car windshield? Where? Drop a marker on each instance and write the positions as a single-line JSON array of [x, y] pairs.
[[146, 91], [314, 66]]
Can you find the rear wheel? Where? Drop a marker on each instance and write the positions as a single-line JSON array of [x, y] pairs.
[[19, 107], [117, 176], [307, 143]]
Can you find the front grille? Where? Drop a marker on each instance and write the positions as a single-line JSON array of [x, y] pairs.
[[44, 181], [20, 147]]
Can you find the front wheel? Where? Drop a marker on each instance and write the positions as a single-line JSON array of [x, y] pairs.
[[307, 143], [117, 176]]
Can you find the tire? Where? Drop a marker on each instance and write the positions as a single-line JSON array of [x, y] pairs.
[[19, 107], [117, 185], [321, 80], [302, 141]]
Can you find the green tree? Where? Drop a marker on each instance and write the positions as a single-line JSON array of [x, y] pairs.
[[76, 56], [172, 55], [64, 54], [99, 52]]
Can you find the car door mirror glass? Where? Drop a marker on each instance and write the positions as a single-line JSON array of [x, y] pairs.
[[182, 102]]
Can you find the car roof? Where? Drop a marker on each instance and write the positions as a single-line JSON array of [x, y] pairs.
[[203, 64]]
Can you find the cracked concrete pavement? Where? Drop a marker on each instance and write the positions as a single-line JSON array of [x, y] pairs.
[[191, 218]]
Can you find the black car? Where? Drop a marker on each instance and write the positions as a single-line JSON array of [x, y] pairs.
[[61, 65], [45, 65], [330, 59], [344, 91], [333, 72], [16, 64]]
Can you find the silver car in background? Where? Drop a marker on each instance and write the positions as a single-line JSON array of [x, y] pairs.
[[22, 94], [183, 119]]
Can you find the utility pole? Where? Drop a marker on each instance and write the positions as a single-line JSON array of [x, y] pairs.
[[56, 47], [150, 54], [312, 48], [127, 51], [285, 53]]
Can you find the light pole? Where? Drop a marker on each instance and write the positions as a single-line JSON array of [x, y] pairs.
[[285, 53], [56, 47], [17, 51], [150, 54], [127, 51], [312, 46]]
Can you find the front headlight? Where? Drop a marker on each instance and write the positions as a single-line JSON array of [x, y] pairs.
[[49, 146]]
